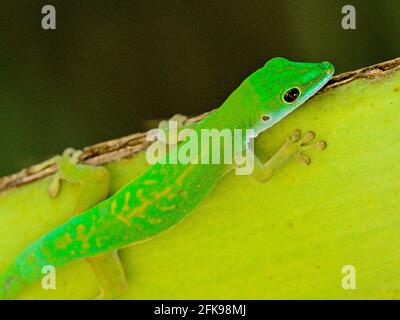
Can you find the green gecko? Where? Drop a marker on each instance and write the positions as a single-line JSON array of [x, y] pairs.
[[166, 193]]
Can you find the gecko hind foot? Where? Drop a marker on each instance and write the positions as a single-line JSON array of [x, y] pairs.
[[70, 157]]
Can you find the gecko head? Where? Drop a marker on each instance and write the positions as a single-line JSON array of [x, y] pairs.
[[284, 85]]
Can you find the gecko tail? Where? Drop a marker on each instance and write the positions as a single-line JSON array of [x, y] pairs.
[[11, 284]]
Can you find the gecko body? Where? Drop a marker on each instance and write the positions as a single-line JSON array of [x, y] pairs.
[[166, 193]]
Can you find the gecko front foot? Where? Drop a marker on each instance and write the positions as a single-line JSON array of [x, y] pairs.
[[171, 138], [295, 145], [179, 118]]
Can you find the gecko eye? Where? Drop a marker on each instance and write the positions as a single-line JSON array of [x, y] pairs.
[[291, 95]]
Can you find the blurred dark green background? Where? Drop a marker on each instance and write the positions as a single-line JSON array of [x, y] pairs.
[[110, 65]]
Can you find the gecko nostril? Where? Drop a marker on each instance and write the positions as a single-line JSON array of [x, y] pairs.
[[266, 118]]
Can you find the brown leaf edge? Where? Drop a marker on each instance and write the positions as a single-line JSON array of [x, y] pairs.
[[128, 146]]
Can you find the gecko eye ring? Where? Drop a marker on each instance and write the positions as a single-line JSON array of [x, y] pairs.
[[291, 95]]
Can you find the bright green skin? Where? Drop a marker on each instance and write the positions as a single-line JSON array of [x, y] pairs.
[[166, 193]]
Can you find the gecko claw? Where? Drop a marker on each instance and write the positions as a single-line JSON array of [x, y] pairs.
[[320, 145], [308, 136], [302, 158], [54, 187], [295, 136]]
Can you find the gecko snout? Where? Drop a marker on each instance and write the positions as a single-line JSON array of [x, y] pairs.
[[328, 68]]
